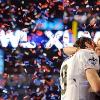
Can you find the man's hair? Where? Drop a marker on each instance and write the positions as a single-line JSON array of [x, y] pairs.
[[80, 42]]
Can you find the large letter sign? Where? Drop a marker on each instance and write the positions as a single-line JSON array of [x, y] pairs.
[[97, 36], [15, 38], [60, 39], [54, 39]]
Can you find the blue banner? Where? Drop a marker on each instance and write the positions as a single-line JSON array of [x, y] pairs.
[[1, 61]]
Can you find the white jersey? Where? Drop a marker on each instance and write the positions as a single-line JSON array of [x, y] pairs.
[[74, 85]]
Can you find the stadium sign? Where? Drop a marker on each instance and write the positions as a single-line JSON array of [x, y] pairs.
[[59, 39]]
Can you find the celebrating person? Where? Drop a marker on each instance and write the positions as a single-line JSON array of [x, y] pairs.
[[79, 72]]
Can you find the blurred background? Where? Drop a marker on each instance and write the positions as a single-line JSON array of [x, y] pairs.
[[32, 36]]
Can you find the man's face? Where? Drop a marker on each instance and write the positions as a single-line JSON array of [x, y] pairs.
[[97, 50], [98, 43], [91, 45]]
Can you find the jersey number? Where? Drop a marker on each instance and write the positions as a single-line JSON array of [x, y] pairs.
[[64, 79]]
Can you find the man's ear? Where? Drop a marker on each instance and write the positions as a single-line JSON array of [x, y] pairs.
[[87, 45]]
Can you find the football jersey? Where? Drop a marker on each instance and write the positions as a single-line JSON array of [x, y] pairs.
[[74, 85]]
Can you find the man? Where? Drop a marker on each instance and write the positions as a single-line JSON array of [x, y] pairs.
[[79, 72]]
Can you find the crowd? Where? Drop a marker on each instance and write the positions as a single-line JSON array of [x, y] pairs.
[[33, 74], [19, 14]]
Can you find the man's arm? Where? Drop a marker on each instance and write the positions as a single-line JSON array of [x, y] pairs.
[[93, 79], [69, 50]]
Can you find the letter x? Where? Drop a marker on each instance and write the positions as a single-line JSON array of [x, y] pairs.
[[53, 39]]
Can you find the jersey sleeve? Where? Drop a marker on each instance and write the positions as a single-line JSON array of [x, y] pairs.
[[89, 59]]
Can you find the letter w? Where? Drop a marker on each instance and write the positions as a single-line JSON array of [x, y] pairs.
[[12, 38]]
